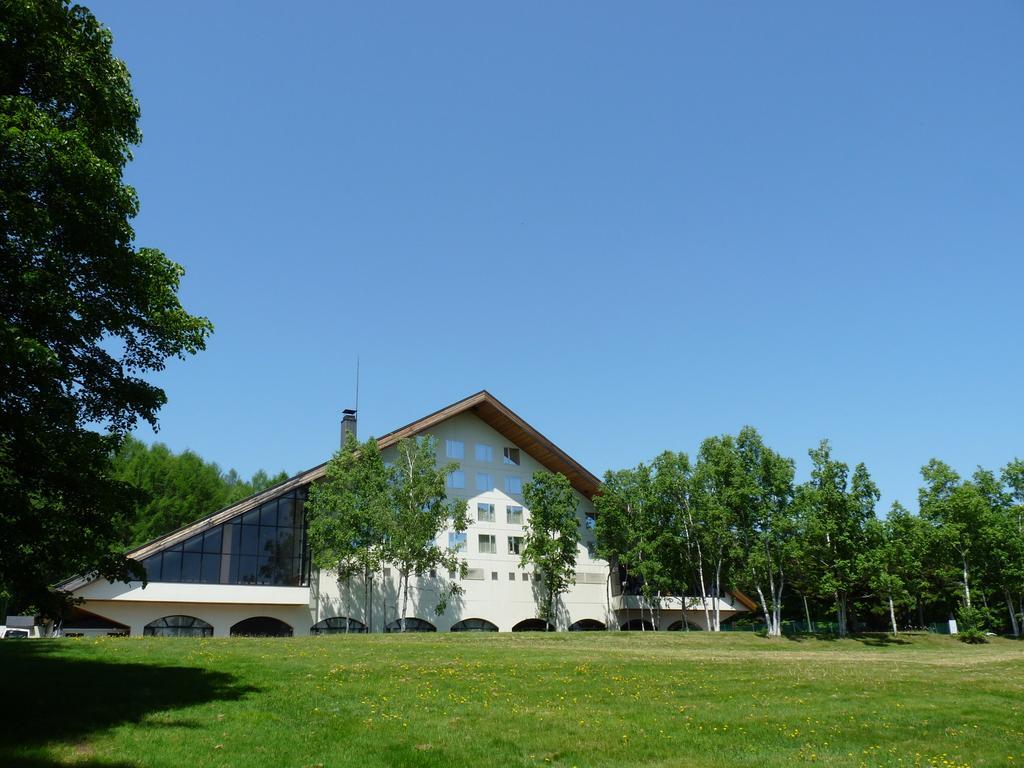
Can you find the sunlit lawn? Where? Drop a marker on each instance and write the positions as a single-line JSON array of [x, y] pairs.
[[584, 699]]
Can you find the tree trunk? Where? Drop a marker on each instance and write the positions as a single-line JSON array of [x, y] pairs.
[[404, 584], [682, 610], [1013, 616], [967, 586], [841, 613], [892, 616], [777, 604], [718, 595], [767, 611], [920, 613], [367, 605], [807, 614], [703, 588]]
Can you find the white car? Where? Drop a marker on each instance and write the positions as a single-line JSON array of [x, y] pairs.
[[14, 633]]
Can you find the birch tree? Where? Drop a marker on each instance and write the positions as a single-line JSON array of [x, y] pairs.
[[631, 532], [419, 511], [347, 514], [835, 508], [1012, 533], [674, 491], [956, 509], [552, 537], [763, 506], [892, 559]]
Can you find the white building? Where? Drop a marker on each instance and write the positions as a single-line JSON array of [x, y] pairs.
[[246, 569]]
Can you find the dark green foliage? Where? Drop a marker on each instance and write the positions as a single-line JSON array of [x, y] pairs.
[[176, 489], [84, 313], [972, 624]]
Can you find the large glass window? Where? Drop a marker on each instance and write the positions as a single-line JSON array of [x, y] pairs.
[[456, 479], [457, 540], [266, 545], [484, 452], [487, 544], [514, 515], [454, 449]]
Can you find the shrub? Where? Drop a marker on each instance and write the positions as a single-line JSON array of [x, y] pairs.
[[971, 625], [972, 636]]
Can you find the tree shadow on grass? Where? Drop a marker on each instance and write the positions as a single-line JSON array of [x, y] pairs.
[[49, 699], [875, 639]]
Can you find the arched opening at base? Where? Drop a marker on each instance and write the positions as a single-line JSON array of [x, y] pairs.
[[587, 625], [337, 625], [178, 626], [637, 625], [411, 625], [533, 625], [474, 625], [677, 626], [261, 626]]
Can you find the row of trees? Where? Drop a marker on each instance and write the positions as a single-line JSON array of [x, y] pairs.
[[173, 489], [735, 518]]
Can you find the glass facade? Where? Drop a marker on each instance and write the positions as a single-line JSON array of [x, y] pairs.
[[266, 545]]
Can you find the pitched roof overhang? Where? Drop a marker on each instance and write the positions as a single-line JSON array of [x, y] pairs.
[[483, 404]]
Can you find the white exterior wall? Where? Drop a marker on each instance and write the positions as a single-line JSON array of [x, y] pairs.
[[503, 601]]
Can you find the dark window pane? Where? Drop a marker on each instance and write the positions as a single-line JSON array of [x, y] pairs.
[[250, 540], [247, 570], [211, 569], [285, 540], [286, 512], [172, 567], [265, 572], [268, 538], [190, 566], [233, 538], [195, 544], [297, 544], [152, 566], [252, 517], [268, 513], [211, 541]]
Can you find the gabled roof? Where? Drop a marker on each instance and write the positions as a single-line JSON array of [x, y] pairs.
[[482, 404]]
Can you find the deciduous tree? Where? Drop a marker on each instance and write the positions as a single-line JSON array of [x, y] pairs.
[[348, 514], [419, 511], [84, 312], [552, 537]]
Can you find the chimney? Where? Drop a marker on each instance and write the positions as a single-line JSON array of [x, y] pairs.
[[348, 424]]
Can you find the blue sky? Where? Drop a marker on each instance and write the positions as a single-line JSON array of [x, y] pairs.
[[636, 226]]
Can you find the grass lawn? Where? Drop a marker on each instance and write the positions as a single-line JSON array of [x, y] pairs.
[[580, 699]]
